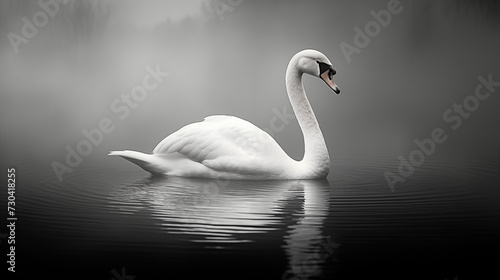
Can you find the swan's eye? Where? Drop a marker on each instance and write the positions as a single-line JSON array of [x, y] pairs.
[[323, 67]]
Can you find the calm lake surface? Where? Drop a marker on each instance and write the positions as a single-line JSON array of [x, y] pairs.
[[109, 219]]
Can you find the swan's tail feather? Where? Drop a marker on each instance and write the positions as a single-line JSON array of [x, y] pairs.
[[145, 161]]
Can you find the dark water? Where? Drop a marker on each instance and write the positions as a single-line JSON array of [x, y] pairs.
[[109, 219]]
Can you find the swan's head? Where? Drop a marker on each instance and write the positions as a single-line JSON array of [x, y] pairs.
[[317, 64]]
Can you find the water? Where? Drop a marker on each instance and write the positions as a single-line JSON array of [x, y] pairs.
[[109, 219]]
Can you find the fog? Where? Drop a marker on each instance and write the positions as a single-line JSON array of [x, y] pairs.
[[396, 89]]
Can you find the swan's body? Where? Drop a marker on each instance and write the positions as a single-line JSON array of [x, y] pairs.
[[231, 148]]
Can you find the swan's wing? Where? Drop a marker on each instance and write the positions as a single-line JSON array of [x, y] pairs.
[[223, 143]]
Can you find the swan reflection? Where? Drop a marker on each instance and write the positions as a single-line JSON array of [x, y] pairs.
[[221, 213]]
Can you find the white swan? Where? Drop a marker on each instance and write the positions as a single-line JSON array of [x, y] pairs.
[[231, 148]]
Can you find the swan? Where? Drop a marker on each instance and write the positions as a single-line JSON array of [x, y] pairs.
[[228, 147]]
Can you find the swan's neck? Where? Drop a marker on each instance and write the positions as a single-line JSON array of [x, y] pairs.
[[316, 161]]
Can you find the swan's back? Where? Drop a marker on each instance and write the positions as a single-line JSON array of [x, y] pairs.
[[226, 143]]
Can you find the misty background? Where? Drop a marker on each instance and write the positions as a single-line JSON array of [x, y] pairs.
[[396, 90]]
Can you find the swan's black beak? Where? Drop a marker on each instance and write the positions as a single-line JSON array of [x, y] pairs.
[[326, 74]]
